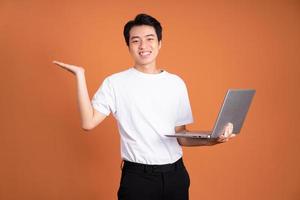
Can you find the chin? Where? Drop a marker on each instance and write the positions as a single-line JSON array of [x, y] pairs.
[[144, 62]]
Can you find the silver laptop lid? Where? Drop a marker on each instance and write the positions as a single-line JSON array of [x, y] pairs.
[[234, 109]]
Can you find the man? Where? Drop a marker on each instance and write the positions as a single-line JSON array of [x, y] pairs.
[[148, 103]]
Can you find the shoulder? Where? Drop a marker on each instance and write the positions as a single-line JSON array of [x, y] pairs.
[[176, 78], [118, 76]]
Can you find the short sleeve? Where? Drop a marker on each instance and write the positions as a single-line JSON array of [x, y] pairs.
[[184, 114], [104, 99]]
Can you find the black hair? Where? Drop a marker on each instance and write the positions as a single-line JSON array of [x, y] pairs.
[[142, 19]]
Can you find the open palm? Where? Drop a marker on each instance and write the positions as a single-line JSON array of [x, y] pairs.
[[71, 68]]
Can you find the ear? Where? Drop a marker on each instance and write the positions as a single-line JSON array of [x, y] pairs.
[[159, 44], [128, 47]]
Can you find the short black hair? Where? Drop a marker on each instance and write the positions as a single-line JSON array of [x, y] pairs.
[[142, 19]]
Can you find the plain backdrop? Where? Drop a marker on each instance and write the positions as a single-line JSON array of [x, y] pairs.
[[212, 45]]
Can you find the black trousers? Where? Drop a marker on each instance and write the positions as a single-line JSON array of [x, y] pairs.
[[154, 182]]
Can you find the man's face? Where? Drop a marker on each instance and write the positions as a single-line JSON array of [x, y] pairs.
[[143, 45]]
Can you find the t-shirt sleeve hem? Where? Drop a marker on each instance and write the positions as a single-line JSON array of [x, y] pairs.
[[184, 122], [101, 110]]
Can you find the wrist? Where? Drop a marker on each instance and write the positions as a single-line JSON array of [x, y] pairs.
[[80, 72], [212, 142]]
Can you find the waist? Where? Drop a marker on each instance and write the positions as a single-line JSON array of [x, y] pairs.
[[127, 165]]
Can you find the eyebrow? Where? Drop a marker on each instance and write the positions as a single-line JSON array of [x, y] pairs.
[[134, 37]]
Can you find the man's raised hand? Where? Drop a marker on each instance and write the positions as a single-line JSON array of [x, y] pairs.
[[71, 68]]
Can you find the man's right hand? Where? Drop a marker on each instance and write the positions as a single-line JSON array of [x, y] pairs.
[[90, 118], [71, 68]]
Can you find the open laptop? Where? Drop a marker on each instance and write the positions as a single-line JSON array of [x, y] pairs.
[[234, 110]]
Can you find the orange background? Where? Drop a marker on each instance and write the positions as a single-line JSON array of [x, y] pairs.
[[212, 45]]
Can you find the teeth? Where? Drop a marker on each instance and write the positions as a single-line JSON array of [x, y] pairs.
[[145, 53]]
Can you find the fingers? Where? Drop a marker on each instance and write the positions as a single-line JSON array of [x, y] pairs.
[[71, 68], [228, 129], [222, 138], [56, 62], [60, 63], [64, 66], [227, 133]]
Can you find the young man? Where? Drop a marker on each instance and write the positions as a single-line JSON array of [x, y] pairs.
[[148, 103]]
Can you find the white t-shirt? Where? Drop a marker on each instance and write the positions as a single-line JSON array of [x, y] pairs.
[[146, 107]]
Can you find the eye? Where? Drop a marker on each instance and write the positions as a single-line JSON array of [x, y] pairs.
[[134, 41], [150, 38]]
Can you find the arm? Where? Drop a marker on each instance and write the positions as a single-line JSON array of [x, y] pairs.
[[204, 142], [192, 141], [90, 118]]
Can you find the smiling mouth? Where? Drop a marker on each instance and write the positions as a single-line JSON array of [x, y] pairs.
[[145, 53]]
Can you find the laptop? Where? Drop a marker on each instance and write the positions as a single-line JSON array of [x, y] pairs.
[[234, 110]]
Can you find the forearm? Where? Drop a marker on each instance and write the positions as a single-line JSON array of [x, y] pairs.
[[196, 142], [193, 141], [84, 103]]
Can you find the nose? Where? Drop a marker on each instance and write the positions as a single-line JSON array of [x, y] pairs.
[[142, 44]]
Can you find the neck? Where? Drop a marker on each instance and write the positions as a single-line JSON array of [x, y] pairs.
[[148, 68]]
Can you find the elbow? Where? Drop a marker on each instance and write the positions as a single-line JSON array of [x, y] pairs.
[[181, 141], [87, 127]]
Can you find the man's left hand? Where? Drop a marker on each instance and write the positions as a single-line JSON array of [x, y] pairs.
[[227, 133]]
